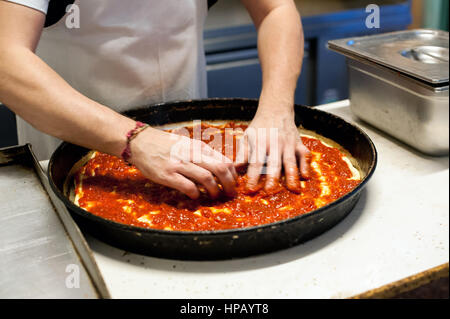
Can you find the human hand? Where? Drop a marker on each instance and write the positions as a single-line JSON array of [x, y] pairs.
[[182, 163], [276, 138]]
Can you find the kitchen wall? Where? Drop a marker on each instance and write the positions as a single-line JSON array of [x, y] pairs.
[[430, 14]]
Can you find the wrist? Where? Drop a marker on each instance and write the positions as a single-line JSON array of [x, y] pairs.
[[126, 153], [280, 106], [111, 133]]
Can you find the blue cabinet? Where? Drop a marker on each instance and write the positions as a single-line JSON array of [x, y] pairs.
[[233, 68], [238, 74], [331, 78]]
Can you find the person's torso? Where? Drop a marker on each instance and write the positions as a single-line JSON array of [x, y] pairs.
[[130, 53]]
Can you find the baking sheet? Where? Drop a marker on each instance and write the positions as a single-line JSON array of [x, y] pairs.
[[42, 252]]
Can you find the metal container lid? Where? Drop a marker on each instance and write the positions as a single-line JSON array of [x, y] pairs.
[[422, 54]]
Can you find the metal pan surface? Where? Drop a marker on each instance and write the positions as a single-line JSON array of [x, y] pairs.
[[222, 244]]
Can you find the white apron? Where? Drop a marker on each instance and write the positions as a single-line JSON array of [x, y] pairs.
[[126, 54]]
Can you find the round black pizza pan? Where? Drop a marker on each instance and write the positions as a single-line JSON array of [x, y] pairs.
[[222, 244]]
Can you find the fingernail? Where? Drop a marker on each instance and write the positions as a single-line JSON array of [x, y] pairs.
[[306, 173], [251, 188], [270, 183]]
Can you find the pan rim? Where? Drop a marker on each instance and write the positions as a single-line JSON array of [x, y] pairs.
[[221, 232]]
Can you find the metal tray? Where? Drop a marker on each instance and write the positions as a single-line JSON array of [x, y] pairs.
[[42, 252], [422, 54]]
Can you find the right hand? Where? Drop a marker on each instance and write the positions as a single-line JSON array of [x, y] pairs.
[[169, 159]]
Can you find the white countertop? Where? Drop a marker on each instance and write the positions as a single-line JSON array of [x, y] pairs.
[[399, 227]]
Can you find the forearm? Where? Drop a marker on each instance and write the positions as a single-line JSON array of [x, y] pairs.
[[39, 95], [280, 45]]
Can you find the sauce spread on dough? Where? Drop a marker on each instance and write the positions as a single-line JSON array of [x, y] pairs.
[[108, 187]]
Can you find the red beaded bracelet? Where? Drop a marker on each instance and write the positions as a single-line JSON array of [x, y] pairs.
[[126, 153]]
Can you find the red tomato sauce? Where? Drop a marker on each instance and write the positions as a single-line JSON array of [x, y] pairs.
[[114, 190]]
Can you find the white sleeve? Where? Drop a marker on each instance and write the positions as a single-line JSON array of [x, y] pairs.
[[41, 5]]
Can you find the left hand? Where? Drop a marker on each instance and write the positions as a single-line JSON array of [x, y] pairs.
[[275, 137]]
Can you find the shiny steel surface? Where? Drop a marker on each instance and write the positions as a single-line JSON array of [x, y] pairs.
[[38, 257], [406, 109], [422, 54], [399, 84]]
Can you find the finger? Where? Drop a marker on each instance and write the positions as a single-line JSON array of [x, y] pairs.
[[182, 184], [257, 159], [291, 169], [304, 156], [201, 176], [224, 172], [233, 172], [273, 167]]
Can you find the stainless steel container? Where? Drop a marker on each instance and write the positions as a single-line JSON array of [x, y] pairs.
[[399, 84]]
